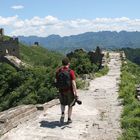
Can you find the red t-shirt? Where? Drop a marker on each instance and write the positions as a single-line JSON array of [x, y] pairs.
[[72, 75]]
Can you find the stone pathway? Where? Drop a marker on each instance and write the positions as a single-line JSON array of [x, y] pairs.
[[96, 119]]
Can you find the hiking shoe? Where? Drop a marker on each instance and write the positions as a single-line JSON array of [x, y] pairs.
[[69, 121], [62, 118]]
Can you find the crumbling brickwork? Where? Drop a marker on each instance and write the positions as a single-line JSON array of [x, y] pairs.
[[8, 46]]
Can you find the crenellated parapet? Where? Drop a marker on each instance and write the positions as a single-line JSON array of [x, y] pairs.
[[8, 46]]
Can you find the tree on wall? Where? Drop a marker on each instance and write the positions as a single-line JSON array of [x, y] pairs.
[[81, 63], [96, 57]]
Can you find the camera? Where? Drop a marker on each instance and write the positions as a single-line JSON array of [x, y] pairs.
[[78, 102]]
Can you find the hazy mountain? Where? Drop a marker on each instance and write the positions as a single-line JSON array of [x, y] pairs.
[[89, 40]]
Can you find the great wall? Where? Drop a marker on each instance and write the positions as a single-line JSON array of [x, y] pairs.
[[96, 119]]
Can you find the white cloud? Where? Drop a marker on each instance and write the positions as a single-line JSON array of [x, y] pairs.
[[52, 25], [8, 20], [17, 7]]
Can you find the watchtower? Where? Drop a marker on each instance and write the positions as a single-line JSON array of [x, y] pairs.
[[9, 46], [1, 32]]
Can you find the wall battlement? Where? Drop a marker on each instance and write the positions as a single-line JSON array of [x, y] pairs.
[[8, 46]]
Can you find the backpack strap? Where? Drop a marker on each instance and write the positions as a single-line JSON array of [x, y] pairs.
[[63, 69], [66, 70], [69, 69]]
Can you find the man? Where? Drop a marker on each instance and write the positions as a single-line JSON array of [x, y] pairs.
[[65, 79]]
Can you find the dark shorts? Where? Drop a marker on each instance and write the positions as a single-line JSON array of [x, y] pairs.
[[66, 98]]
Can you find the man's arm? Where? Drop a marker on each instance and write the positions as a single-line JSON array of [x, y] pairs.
[[74, 87]]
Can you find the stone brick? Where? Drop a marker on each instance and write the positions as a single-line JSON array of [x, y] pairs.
[[13, 117], [50, 104], [10, 47]]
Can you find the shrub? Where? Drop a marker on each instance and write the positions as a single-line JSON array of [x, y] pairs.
[[103, 71], [131, 114]]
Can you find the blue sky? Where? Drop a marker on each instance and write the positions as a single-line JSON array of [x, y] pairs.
[[66, 17]]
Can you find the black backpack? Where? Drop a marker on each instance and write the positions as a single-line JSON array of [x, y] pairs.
[[63, 79]]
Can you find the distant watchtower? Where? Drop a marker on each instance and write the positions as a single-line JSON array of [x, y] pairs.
[[36, 43]]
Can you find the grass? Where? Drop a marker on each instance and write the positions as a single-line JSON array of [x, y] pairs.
[[81, 84], [102, 71], [130, 119], [84, 84]]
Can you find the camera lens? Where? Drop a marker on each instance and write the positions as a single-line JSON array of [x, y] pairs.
[[79, 102]]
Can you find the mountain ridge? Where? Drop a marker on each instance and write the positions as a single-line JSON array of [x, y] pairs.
[[88, 40]]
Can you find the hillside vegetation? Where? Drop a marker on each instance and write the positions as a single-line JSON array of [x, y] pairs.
[[35, 84], [130, 121], [133, 54], [39, 56], [29, 85]]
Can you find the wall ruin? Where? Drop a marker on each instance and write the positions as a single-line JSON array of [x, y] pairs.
[[8, 46]]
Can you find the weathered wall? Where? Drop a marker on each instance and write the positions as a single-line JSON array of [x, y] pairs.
[[17, 115], [10, 47], [14, 116]]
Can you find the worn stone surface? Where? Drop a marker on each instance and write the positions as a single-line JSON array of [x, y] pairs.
[[96, 119], [13, 117], [15, 62]]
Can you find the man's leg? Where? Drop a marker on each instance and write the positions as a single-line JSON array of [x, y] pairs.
[[62, 109], [69, 114], [62, 101], [62, 113], [70, 100]]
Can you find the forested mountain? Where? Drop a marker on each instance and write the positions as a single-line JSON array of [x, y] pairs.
[[88, 41]]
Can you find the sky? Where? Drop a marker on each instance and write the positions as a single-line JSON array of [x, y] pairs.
[[68, 17]]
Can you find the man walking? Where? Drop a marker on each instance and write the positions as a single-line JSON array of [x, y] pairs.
[[65, 79]]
